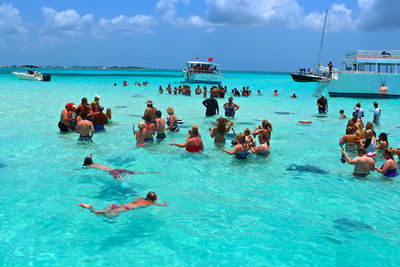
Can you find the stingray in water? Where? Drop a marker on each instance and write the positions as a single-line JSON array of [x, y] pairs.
[[345, 224], [121, 107], [283, 112], [2, 165], [305, 168]]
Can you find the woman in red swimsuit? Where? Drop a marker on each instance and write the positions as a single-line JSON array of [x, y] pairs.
[[193, 143]]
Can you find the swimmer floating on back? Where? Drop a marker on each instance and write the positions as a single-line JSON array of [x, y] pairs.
[[115, 209]]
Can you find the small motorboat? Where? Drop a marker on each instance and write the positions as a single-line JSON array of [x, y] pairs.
[[32, 75]]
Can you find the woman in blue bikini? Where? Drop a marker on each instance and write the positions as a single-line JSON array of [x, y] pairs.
[[389, 168]]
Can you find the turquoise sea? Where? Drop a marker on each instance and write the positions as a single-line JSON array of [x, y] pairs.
[[223, 211]]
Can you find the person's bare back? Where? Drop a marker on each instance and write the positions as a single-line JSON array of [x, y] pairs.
[[160, 125], [363, 165], [85, 128]]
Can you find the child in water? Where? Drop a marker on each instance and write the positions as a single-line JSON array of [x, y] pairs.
[[341, 112]]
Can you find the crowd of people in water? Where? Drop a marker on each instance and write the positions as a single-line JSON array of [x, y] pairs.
[[88, 118], [361, 138], [216, 91]]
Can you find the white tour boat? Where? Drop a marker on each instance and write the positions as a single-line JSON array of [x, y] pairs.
[[366, 73], [202, 72], [32, 74]]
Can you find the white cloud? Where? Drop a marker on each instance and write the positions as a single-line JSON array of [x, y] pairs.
[[125, 24], [378, 15], [250, 13], [339, 19], [67, 23], [236, 13], [10, 21]]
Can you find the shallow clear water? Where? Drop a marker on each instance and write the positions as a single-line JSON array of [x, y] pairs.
[[222, 211]]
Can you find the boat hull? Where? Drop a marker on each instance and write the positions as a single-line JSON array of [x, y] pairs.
[[302, 77], [25, 76], [207, 78], [365, 85]]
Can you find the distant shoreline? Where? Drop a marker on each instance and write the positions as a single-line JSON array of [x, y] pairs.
[[79, 67]]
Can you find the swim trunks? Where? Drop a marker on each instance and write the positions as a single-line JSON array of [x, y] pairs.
[[63, 128], [85, 138], [149, 140], [160, 137], [99, 128], [242, 154]]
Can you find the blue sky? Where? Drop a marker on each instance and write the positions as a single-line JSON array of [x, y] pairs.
[[266, 35]]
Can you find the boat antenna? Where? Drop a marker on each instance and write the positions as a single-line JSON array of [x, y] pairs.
[[322, 39]]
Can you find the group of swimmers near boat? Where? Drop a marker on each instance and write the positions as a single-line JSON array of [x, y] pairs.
[[363, 140]]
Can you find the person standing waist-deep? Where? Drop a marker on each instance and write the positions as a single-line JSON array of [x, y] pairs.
[[211, 105]]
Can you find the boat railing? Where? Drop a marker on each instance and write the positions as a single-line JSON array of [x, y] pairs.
[[203, 71], [373, 54]]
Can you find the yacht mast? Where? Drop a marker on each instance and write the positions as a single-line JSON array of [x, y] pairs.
[[322, 40]]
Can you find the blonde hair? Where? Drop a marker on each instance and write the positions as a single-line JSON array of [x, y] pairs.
[[267, 125], [170, 110], [195, 126], [390, 151], [368, 133], [141, 124], [241, 138]]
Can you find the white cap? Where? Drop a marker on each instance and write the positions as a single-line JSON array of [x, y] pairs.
[[97, 96], [322, 94]]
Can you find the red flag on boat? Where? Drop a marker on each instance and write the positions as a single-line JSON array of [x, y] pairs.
[[210, 59], [197, 58]]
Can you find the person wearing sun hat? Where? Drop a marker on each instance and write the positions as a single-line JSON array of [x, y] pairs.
[[150, 110], [66, 118]]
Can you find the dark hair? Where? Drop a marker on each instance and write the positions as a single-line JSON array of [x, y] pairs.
[[147, 118], [83, 115], [158, 114], [84, 99], [88, 161], [151, 196], [375, 104], [341, 111]]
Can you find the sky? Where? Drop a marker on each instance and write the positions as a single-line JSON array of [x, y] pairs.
[[259, 35]]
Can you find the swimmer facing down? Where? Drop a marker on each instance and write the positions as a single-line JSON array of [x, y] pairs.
[[116, 173], [115, 209]]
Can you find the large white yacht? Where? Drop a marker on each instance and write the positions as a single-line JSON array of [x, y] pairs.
[[366, 73], [202, 72]]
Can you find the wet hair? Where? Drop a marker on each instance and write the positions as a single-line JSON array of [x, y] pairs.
[[369, 125], [341, 111], [147, 118], [158, 114], [266, 125], [241, 138], [375, 104], [383, 136], [194, 131], [358, 104], [349, 130], [230, 99], [246, 132], [390, 151], [170, 110], [151, 196], [84, 100], [88, 161], [221, 125]]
